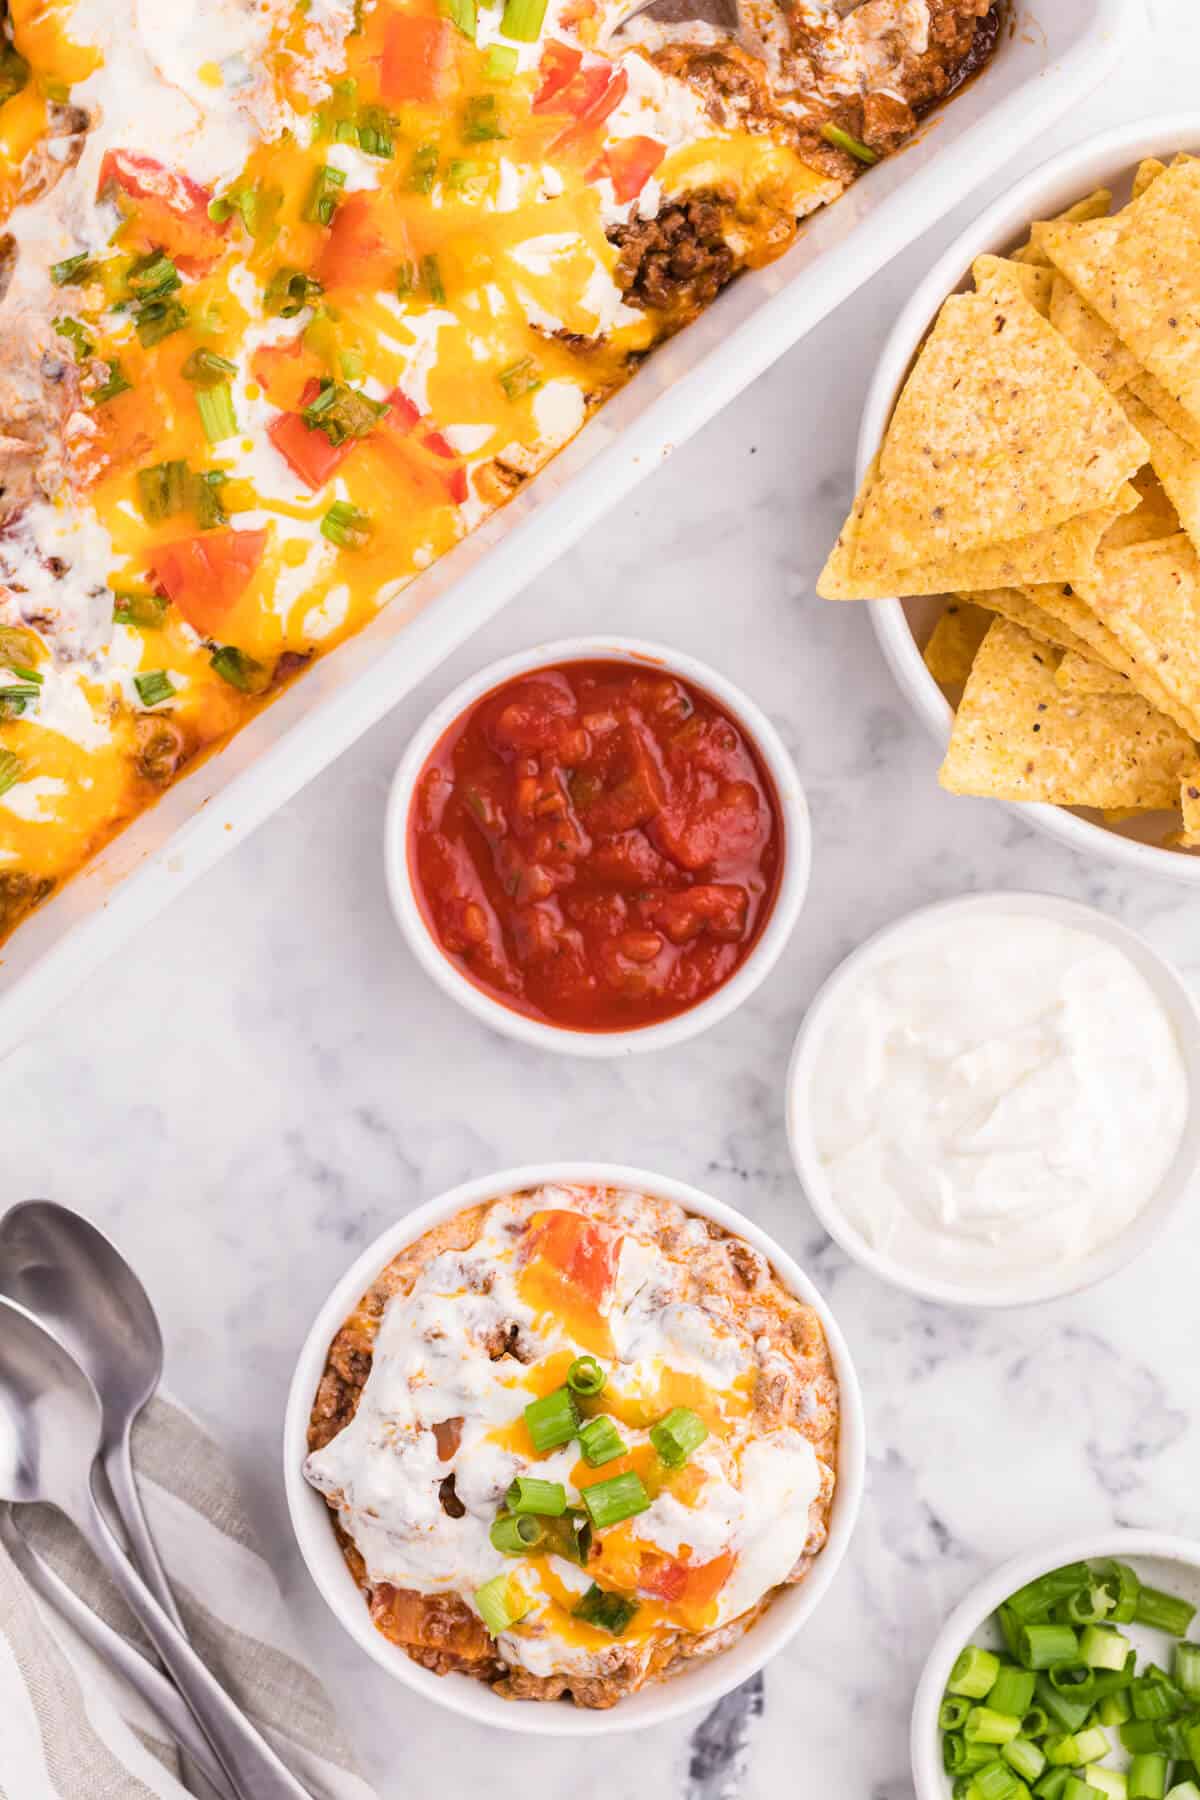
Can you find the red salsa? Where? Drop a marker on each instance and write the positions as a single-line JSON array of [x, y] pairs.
[[597, 845]]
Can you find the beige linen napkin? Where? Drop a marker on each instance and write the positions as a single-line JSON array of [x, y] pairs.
[[70, 1730]]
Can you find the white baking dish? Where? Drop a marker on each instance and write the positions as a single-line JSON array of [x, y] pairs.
[[1053, 52], [1105, 161]]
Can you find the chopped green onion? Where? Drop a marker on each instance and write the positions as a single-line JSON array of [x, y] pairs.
[[600, 1441], [1073, 1678], [1091, 1605], [215, 406], [501, 64], [1103, 1648], [463, 14], [1024, 1757], [1140, 1734], [117, 383], [342, 412], [162, 491], [843, 140], [375, 132], [552, 1420], [238, 669], [240, 200], [406, 279], [1053, 1784], [952, 1714], [520, 378], [10, 770], [1036, 1723], [14, 73], [1067, 1714], [995, 1782], [347, 527], [1151, 1700], [500, 1603], [462, 172], [676, 1436], [1163, 1612], [16, 700], [1009, 1625], [984, 1726], [480, 124], [1108, 1782], [586, 1376], [289, 291], [1115, 1709], [523, 20], [73, 270], [1191, 1738], [76, 335], [569, 1536], [422, 171], [324, 195], [1080, 1790], [619, 1497], [207, 369], [159, 319], [153, 277], [606, 1611], [205, 497], [960, 1758], [517, 1536], [974, 1674], [1147, 1778], [1187, 1669], [1012, 1691], [1036, 1598], [1041, 1646], [1124, 1587], [154, 688], [529, 1495], [1184, 1790], [431, 275], [146, 610]]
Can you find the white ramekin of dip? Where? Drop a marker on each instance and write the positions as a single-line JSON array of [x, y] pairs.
[[702, 1682], [994, 1101]]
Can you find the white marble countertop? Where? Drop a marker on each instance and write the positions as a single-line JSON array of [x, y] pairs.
[[259, 1085]]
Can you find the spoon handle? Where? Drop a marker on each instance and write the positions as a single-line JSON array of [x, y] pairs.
[[118, 1468], [254, 1770], [114, 1651]]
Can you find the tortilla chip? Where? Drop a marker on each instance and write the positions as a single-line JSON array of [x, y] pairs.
[[1147, 173], [1018, 737], [1153, 394], [1015, 605], [1065, 553], [1092, 206], [1064, 606], [1189, 800], [1140, 270], [1154, 516], [997, 277], [1149, 597], [1174, 461], [954, 641], [1000, 433], [1080, 675], [1090, 338]]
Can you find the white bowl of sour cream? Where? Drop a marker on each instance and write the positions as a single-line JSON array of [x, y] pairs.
[[993, 1101]]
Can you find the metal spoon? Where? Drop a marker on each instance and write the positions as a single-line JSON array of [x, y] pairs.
[[50, 1435], [113, 1650], [83, 1291]]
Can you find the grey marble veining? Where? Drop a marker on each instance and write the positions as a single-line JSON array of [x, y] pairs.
[[265, 1080]]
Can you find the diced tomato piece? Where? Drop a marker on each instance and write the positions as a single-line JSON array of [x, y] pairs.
[[559, 63], [205, 576], [418, 58], [583, 1250], [167, 209], [402, 421], [456, 477], [594, 103], [630, 162], [306, 447], [366, 245], [720, 908], [677, 1581], [665, 1580]]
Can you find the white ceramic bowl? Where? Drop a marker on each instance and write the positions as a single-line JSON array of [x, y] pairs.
[[1106, 161], [698, 1685], [1043, 1283], [1164, 1562], [793, 882]]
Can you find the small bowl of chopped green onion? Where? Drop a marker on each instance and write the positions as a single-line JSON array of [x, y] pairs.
[[1072, 1673]]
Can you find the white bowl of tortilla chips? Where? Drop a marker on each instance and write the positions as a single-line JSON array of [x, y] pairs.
[[1030, 484]]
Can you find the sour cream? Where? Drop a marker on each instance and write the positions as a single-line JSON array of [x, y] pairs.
[[993, 1095]]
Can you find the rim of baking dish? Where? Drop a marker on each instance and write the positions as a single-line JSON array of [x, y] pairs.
[[977, 1606], [1042, 1284], [705, 1681], [795, 865], [1052, 186]]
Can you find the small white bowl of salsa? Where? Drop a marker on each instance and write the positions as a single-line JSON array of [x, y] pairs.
[[597, 846]]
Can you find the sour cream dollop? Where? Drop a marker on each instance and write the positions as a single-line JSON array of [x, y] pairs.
[[996, 1095]]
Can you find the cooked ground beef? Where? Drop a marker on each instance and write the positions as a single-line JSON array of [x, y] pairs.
[[678, 262]]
